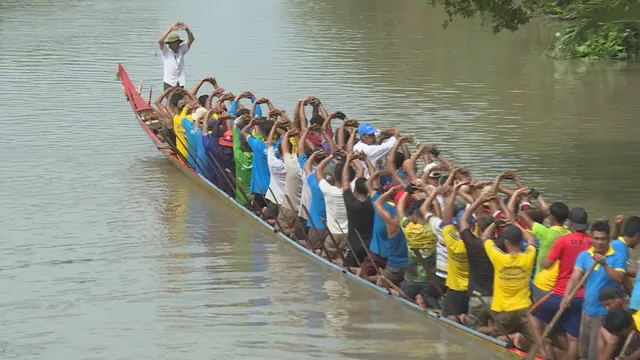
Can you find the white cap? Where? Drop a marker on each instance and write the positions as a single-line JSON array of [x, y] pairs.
[[199, 114]]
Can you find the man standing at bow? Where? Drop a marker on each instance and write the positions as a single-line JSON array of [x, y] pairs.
[[172, 53]]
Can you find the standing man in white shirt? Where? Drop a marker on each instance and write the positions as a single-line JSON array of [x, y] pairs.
[[172, 53]]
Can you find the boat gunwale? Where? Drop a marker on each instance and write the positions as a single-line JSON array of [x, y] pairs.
[[131, 95]]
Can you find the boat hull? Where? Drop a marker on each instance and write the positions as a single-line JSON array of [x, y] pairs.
[[146, 115]]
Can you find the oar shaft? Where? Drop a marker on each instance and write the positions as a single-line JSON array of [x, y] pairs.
[[380, 276], [493, 317], [355, 256], [534, 349], [333, 240], [627, 342], [296, 217], [313, 225]]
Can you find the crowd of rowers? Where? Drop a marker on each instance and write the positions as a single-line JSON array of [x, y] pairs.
[[492, 255]]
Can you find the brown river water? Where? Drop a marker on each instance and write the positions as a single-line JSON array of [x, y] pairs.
[[109, 252]]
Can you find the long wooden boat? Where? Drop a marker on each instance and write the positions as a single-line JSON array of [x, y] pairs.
[[151, 122]]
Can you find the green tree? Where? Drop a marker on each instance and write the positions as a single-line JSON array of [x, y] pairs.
[[594, 28]]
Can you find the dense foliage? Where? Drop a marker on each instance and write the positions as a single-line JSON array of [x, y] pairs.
[[594, 28]]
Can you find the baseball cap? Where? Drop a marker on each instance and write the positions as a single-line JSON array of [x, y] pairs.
[[199, 114], [366, 129], [579, 219]]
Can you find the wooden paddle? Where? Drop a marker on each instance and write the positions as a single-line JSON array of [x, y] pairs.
[[536, 346], [333, 240], [349, 245], [510, 342], [313, 225], [380, 276], [626, 343]]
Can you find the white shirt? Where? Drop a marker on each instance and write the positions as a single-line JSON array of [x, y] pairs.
[[278, 177], [375, 152], [174, 64], [441, 247], [305, 197], [336, 210], [293, 181]]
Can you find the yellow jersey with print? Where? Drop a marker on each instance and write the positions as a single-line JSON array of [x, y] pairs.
[[512, 274], [181, 138], [458, 269], [419, 236]]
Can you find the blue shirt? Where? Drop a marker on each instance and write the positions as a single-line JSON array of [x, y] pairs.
[[191, 142], [317, 207], [398, 256], [523, 248], [209, 165], [302, 160], [380, 240], [233, 108], [260, 175], [201, 164], [621, 248], [598, 278]]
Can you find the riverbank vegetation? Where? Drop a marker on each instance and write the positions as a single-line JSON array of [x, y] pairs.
[[604, 29]]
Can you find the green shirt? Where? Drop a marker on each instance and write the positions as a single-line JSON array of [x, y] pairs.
[[244, 163], [547, 236], [416, 273]]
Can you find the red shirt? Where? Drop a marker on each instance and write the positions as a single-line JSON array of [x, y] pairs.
[[565, 250]]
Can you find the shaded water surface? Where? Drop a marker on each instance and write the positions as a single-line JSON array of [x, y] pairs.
[[108, 252]]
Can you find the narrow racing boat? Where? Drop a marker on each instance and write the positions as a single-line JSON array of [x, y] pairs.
[[151, 122]]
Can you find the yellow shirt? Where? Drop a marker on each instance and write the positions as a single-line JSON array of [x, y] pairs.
[[546, 278], [511, 277], [458, 270], [636, 319], [181, 138]]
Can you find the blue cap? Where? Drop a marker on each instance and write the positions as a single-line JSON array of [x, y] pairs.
[[458, 216], [366, 129]]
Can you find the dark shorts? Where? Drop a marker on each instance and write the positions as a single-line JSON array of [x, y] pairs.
[[368, 267], [355, 257], [316, 238], [516, 321], [537, 293], [272, 210], [300, 230], [396, 276], [259, 201], [545, 308], [456, 302], [429, 293], [166, 86]]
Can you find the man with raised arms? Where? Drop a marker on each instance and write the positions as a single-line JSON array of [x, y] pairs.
[[172, 51], [512, 271]]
